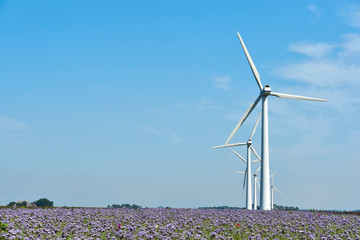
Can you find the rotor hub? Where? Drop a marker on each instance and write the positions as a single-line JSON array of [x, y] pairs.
[[249, 142], [266, 90]]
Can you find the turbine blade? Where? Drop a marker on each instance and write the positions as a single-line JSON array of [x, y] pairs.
[[254, 129], [247, 113], [230, 145], [257, 160], [276, 189], [256, 154], [239, 172], [258, 169], [258, 184], [251, 63], [272, 174], [272, 180], [290, 96], [238, 155]]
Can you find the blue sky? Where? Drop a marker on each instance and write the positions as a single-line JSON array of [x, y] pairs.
[[120, 101]]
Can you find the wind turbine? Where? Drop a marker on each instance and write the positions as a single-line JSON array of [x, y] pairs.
[[272, 190], [264, 93], [255, 183], [248, 162]]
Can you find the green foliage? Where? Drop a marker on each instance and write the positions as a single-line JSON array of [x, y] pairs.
[[3, 227], [278, 207], [126, 205], [134, 206], [115, 206], [11, 204], [21, 204], [43, 202], [220, 207]]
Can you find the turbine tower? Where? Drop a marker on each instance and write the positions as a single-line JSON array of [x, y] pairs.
[[264, 93], [272, 187], [247, 177]]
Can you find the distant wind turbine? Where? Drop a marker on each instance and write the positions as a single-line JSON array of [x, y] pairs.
[[255, 183], [264, 93], [248, 162], [272, 190]]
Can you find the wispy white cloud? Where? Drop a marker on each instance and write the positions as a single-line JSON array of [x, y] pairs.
[[12, 124], [315, 11], [235, 116], [353, 16], [350, 48], [315, 50], [327, 72], [222, 82], [201, 105], [150, 130], [336, 74], [204, 104], [172, 136]]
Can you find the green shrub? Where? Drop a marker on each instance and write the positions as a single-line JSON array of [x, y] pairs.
[[3, 227]]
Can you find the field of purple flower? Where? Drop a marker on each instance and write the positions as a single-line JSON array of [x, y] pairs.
[[87, 223]]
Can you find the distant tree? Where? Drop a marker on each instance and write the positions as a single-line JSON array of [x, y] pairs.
[[126, 205], [21, 204], [44, 202], [220, 207], [134, 206], [115, 206], [285, 207], [11, 204]]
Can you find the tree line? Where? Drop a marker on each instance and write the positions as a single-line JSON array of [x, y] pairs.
[[126, 205], [42, 202]]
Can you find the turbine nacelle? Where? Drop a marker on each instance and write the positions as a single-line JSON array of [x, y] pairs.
[[265, 91]]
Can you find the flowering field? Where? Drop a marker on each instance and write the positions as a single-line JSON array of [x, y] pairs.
[[88, 223]]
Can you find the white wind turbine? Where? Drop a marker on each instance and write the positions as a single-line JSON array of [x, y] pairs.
[[272, 187], [272, 190], [248, 162], [264, 93], [247, 178], [255, 183]]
